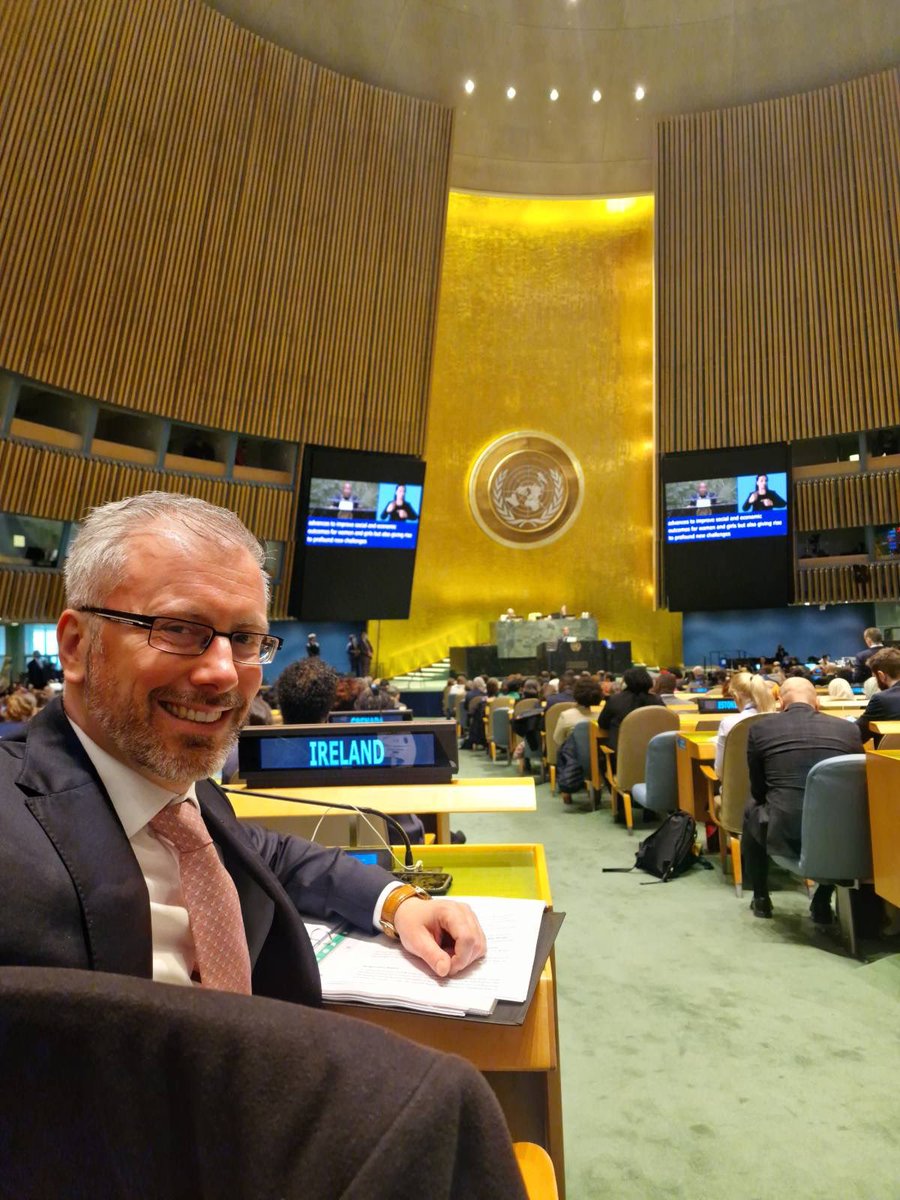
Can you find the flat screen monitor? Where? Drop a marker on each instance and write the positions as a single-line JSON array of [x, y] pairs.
[[726, 526], [356, 535]]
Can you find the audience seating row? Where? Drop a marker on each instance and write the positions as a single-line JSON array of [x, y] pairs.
[[836, 834]]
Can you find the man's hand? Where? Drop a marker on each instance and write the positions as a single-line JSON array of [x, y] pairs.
[[443, 934]]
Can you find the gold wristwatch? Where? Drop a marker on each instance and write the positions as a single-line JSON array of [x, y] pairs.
[[394, 899]]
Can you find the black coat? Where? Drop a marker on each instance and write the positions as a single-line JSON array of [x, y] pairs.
[[882, 706], [617, 708], [781, 749]]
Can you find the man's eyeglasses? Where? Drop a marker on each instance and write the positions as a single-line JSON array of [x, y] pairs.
[[174, 636]]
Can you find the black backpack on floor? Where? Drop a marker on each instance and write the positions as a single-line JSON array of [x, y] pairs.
[[669, 850]]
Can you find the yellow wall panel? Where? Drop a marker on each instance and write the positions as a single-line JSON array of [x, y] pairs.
[[545, 323]]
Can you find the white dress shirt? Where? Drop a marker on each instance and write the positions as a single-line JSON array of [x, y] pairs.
[[725, 726], [137, 801]]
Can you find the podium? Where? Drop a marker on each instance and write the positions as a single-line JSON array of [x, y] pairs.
[[589, 655]]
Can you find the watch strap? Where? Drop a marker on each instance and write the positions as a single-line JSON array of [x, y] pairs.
[[392, 902]]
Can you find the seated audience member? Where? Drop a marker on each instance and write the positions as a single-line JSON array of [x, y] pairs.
[[152, 705], [608, 684], [636, 693], [695, 680], [306, 691], [870, 687], [874, 640], [885, 703], [664, 684], [20, 708], [375, 696], [586, 693], [565, 690], [780, 752], [839, 689], [446, 706], [349, 688], [456, 689], [753, 695]]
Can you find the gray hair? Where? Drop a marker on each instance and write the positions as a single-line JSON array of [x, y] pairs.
[[98, 554]]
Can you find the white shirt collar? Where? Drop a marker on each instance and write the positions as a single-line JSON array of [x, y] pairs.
[[135, 799]]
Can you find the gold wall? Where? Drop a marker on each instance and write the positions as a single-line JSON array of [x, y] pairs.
[[545, 323]]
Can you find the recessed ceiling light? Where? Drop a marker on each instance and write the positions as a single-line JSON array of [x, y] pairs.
[[510, 93], [596, 95], [639, 93], [554, 94], [469, 86]]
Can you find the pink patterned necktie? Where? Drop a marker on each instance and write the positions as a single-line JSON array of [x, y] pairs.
[[211, 899]]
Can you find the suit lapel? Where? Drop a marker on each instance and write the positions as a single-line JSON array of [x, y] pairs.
[[67, 799]]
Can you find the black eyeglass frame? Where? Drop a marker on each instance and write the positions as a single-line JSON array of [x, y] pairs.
[[270, 643]]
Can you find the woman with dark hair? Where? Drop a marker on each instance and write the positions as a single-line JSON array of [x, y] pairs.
[[636, 693], [762, 498], [399, 509]]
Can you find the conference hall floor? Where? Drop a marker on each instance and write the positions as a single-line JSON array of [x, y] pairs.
[[706, 1053]]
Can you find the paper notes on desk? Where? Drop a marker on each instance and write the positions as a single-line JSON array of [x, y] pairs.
[[377, 970]]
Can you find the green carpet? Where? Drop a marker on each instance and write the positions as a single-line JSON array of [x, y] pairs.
[[704, 1052]]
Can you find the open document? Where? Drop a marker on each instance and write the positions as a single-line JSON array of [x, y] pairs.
[[356, 967]]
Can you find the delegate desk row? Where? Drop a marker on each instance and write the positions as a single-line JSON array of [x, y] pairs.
[[696, 750]]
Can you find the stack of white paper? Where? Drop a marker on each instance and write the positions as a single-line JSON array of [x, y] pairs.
[[377, 970]]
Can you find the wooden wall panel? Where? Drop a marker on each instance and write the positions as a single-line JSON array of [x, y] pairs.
[[776, 256], [199, 224], [847, 584], [846, 501], [61, 486]]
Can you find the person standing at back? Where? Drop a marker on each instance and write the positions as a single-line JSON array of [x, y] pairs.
[[874, 640], [884, 705]]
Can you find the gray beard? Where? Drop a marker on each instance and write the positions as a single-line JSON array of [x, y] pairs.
[[133, 735]]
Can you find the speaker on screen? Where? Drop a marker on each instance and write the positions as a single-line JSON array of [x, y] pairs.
[[356, 535]]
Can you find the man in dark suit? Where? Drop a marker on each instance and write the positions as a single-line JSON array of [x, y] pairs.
[[162, 648], [884, 705], [781, 749], [874, 640]]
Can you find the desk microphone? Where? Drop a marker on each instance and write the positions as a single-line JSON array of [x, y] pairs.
[[408, 860]]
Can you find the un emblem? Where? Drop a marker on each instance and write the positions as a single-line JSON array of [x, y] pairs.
[[526, 489]]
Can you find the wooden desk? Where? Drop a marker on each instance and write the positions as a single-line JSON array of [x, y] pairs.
[[521, 1062], [442, 799], [688, 721], [692, 751], [883, 780], [885, 726]]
